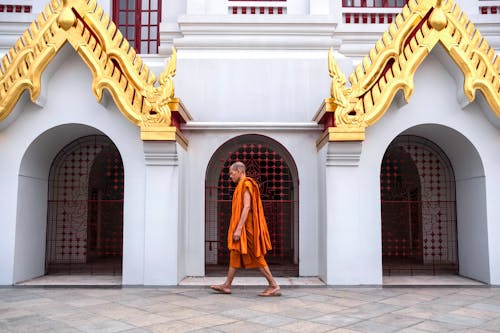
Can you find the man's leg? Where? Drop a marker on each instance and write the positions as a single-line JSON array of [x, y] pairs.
[[225, 288], [274, 288], [230, 276]]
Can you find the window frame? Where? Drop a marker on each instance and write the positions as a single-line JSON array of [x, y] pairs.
[[137, 41]]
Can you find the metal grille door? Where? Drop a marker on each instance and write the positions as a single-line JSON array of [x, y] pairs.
[[276, 184], [418, 209], [85, 209]]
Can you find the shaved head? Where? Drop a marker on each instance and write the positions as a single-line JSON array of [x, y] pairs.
[[240, 166]]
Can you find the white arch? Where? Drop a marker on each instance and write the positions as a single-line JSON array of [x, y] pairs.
[[31, 221], [472, 223], [219, 157]]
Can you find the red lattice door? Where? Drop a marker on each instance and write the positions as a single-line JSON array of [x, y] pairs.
[[85, 209], [418, 209], [276, 184]]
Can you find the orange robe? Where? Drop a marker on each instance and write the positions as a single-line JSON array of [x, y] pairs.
[[254, 242]]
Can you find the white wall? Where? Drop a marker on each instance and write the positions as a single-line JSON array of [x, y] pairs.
[[31, 229], [202, 145], [32, 198], [322, 214], [183, 207], [253, 88], [71, 111], [466, 152], [353, 244]]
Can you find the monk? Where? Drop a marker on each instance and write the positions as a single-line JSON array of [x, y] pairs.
[[248, 238]]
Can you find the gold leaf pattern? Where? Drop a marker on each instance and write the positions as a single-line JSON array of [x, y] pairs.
[[393, 61], [114, 64]]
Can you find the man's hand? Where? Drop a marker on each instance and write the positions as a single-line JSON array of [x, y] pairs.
[[237, 235]]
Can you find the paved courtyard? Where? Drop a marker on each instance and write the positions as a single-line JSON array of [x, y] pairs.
[[300, 309]]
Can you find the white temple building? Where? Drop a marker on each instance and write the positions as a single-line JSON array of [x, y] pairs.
[[391, 170]]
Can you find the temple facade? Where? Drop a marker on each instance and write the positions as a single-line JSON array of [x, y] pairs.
[[371, 127]]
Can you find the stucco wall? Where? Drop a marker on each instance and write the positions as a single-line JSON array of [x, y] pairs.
[[435, 102], [238, 87], [70, 112], [301, 146]]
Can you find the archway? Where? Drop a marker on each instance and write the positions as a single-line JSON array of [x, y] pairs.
[[271, 165], [419, 219], [85, 209]]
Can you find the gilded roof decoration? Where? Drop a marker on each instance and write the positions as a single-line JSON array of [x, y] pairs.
[[114, 64], [392, 63]]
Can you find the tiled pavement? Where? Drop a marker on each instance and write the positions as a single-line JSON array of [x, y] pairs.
[[300, 309]]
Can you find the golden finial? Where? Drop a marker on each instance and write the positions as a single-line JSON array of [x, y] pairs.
[[337, 87], [438, 20], [67, 18]]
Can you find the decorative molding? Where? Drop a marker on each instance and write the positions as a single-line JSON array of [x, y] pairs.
[[160, 153], [343, 154], [114, 64], [392, 63], [250, 126], [256, 32]]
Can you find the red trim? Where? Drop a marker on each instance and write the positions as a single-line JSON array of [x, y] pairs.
[[364, 4], [489, 10], [176, 120]]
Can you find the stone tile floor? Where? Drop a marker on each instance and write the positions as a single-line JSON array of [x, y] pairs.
[[299, 309]]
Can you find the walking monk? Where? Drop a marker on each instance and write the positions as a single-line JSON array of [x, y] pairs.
[[247, 238]]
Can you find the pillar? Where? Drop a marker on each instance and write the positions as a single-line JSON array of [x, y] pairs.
[[161, 213], [350, 256]]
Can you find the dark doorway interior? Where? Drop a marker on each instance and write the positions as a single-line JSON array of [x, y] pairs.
[[418, 209], [277, 185], [85, 209]]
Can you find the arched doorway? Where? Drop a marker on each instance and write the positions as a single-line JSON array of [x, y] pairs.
[[85, 209], [272, 167], [419, 224]]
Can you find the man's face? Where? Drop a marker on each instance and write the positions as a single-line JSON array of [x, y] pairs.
[[234, 174]]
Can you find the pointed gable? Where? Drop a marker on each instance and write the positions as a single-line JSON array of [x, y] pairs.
[[115, 66], [392, 63]]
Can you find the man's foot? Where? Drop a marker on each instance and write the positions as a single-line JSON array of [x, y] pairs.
[[271, 291], [221, 289]]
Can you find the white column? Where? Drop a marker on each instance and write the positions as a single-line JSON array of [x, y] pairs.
[[161, 213], [342, 238]]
